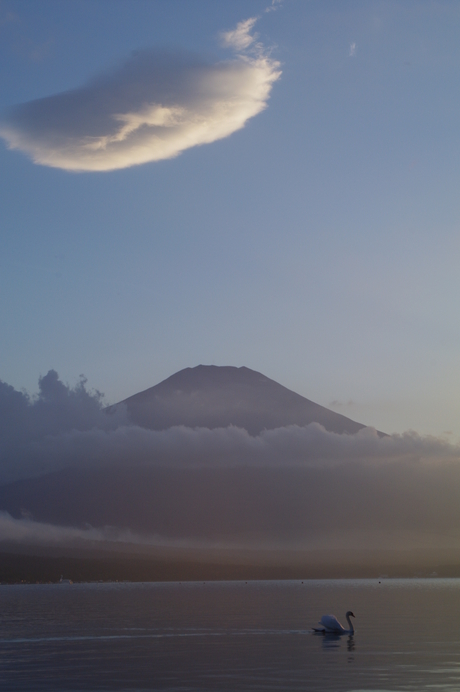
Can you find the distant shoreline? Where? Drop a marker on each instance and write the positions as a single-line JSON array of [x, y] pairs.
[[43, 569]]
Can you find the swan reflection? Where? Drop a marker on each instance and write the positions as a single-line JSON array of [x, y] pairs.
[[333, 640]]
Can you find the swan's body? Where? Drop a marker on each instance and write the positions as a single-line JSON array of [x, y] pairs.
[[331, 625]]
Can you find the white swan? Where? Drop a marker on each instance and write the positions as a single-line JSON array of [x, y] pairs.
[[331, 625]]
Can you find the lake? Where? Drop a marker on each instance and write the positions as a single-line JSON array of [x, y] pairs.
[[230, 636]]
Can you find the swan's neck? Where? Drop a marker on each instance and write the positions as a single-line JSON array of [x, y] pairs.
[[350, 624]]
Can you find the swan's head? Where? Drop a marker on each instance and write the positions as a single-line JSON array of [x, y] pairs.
[[350, 613]]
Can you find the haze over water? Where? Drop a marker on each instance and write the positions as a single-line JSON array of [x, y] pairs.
[[230, 636]]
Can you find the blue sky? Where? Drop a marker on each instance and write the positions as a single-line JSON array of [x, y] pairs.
[[317, 244]]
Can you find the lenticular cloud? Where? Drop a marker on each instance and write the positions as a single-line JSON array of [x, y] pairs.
[[153, 107]]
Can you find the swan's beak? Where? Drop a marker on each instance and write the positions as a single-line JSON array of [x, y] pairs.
[[352, 615]]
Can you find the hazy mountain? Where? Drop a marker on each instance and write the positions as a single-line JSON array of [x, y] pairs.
[[181, 479], [290, 485], [213, 397]]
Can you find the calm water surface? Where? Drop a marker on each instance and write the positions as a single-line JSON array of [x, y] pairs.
[[230, 636]]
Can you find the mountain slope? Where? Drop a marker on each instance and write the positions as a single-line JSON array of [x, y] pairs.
[[213, 397]]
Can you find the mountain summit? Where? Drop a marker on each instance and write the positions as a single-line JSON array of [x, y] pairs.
[[215, 397]]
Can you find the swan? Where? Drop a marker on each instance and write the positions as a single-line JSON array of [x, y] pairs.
[[331, 625]]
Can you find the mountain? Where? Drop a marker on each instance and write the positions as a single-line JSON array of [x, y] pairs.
[[215, 397], [197, 486], [200, 495]]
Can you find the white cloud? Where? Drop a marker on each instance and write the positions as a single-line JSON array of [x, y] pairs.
[[275, 5], [154, 107], [182, 447], [240, 38], [352, 51]]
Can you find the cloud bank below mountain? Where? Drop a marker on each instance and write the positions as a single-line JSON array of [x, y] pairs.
[[153, 107]]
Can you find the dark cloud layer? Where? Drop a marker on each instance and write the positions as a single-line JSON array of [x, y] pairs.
[[28, 425]]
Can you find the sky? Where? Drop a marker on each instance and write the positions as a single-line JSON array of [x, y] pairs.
[[271, 185]]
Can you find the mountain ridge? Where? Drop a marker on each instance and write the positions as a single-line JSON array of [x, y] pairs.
[[214, 396]]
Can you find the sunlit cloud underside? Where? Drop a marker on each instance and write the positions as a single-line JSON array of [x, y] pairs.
[[153, 107]]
